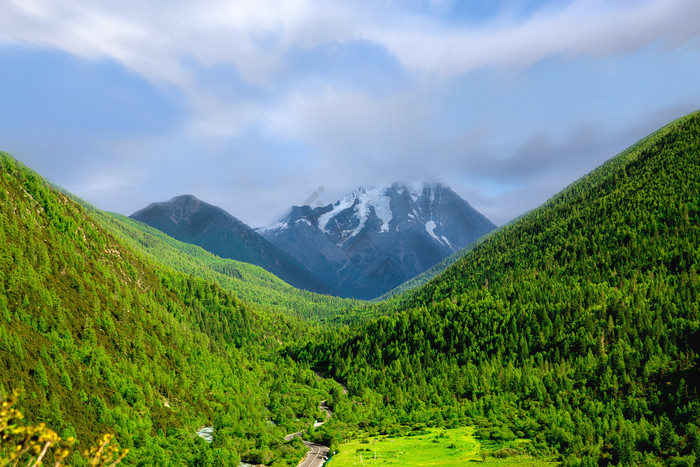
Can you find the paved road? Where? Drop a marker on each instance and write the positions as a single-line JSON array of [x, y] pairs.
[[316, 457], [318, 454]]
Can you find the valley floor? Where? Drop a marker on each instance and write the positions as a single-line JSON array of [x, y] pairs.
[[429, 447]]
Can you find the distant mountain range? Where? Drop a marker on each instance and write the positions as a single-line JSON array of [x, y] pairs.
[[374, 239], [191, 220], [361, 246]]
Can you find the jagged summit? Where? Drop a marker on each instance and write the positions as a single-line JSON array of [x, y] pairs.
[[362, 245], [377, 237], [385, 209]]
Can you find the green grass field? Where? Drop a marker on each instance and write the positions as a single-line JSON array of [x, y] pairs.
[[435, 446]]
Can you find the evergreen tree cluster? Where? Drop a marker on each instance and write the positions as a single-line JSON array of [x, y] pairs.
[[99, 339], [576, 326]]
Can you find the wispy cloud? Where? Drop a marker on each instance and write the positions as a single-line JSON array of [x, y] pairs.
[[347, 93], [596, 28], [160, 40], [152, 38]]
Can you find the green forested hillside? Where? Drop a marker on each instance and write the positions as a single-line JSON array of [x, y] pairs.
[[101, 340], [576, 326], [250, 283]]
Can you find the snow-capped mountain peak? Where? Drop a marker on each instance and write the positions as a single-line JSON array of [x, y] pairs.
[[380, 210], [374, 238], [361, 203]]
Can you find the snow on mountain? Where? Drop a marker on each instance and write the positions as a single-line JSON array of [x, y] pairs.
[[375, 238], [430, 228], [362, 201]]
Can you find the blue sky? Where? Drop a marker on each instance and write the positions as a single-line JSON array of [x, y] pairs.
[[255, 105]]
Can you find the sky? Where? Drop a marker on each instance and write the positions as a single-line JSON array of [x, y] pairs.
[[256, 106]]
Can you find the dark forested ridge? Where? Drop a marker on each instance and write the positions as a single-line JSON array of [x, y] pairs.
[[577, 326], [99, 339], [191, 220]]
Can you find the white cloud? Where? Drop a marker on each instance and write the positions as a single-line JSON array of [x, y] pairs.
[[155, 39], [353, 135], [151, 38], [595, 28]]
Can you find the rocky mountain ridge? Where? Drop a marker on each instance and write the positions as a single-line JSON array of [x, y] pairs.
[[373, 239]]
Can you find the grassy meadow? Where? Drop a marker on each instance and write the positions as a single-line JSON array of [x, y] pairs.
[[432, 446]]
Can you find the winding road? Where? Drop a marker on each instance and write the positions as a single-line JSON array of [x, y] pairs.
[[316, 457], [318, 454]]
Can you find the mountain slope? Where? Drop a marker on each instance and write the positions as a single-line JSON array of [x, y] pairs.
[[250, 283], [426, 276], [375, 239], [578, 326], [190, 220], [404, 290], [100, 339]]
